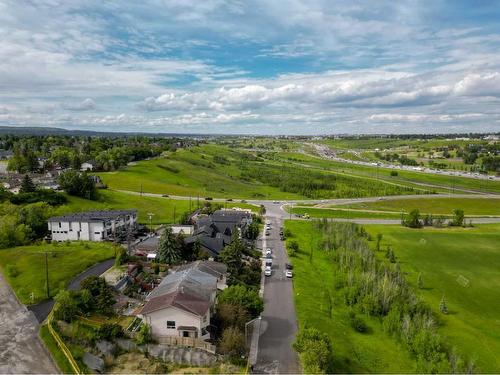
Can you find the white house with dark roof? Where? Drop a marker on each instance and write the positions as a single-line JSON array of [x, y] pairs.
[[91, 225], [181, 305]]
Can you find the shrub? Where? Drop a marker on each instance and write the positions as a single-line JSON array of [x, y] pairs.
[[293, 248], [12, 270], [233, 344], [109, 331], [394, 173], [144, 336], [357, 323], [315, 351]]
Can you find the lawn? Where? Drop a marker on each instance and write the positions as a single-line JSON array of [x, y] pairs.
[[438, 206], [161, 208], [342, 213], [24, 266], [313, 286], [463, 265]]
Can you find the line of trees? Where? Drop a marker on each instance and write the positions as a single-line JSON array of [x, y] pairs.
[[415, 220], [379, 288]]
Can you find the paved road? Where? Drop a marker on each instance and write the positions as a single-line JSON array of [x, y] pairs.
[[279, 322], [21, 350], [42, 309]]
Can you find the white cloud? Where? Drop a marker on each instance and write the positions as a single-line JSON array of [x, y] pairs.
[[85, 105]]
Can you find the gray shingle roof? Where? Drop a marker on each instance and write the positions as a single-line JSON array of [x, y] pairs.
[[93, 215]]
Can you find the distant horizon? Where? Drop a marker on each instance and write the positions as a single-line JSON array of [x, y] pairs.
[[294, 67], [4, 129]]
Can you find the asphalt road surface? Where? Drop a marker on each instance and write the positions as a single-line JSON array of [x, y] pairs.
[[279, 322], [21, 350]]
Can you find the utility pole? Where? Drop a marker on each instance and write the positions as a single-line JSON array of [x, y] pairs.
[[150, 215], [47, 274], [141, 189], [174, 213]]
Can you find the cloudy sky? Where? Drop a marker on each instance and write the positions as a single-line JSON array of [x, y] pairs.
[[254, 67]]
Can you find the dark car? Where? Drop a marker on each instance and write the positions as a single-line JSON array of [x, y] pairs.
[[288, 266], [208, 198]]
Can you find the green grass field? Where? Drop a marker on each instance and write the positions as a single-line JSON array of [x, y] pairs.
[[463, 265], [441, 183], [24, 266], [343, 213], [193, 172], [353, 352], [162, 208], [438, 206]]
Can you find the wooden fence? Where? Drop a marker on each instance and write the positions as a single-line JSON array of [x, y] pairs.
[[186, 341]]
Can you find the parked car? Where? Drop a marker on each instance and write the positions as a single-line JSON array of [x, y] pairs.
[[268, 271], [269, 262], [276, 202], [289, 274], [165, 195], [208, 198], [288, 266], [269, 253], [267, 233]]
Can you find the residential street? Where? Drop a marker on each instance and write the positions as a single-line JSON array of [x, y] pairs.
[[21, 349], [279, 322]]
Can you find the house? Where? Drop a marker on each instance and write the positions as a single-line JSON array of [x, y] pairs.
[[214, 231], [148, 246], [89, 165], [178, 314], [182, 304], [186, 230], [91, 225]]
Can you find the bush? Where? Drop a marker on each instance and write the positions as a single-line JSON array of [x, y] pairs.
[[233, 344], [315, 351], [357, 323], [293, 248], [394, 173], [144, 336], [109, 332], [12, 270]]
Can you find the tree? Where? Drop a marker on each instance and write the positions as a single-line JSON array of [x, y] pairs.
[[66, 307], [232, 315], [413, 219], [121, 256], [144, 336], [34, 216], [458, 218], [169, 249], [314, 348], [231, 255], [389, 254], [252, 231], [293, 248], [379, 239], [420, 281], [242, 296], [27, 185], [262, 210], [442, 306], [233, 344], [102, 297], [78, 184]]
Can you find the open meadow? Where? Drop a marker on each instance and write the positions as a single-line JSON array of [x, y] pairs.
[[487, 206], [320, 305], [462, 265], [24, 266]]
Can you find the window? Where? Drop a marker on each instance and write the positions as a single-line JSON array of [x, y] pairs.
[[97, 232], [171, 324]]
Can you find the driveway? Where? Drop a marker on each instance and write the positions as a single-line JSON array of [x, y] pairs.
[[43, 309], [279, 322], [22, 351]]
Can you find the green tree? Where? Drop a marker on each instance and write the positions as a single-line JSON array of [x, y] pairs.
[[243, 296], [233, 344], [379, 239], [102, 296], [442, 306], [144, 336], [27, 185], [420, 281], [169, 249], [458, 218], [66, 307], [293, 248], [34, 216], [78, 184], [231, 255], [252, 231], [232, 315], [413, 219], [314, 348]]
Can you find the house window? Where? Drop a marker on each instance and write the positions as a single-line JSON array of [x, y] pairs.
[[97, 232], [171, 324]]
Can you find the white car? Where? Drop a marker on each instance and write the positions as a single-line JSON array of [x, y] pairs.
[[289, 274], [269, 253], [268, 271]]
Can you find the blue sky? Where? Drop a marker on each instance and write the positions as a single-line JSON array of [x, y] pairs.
[[253, 67]]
